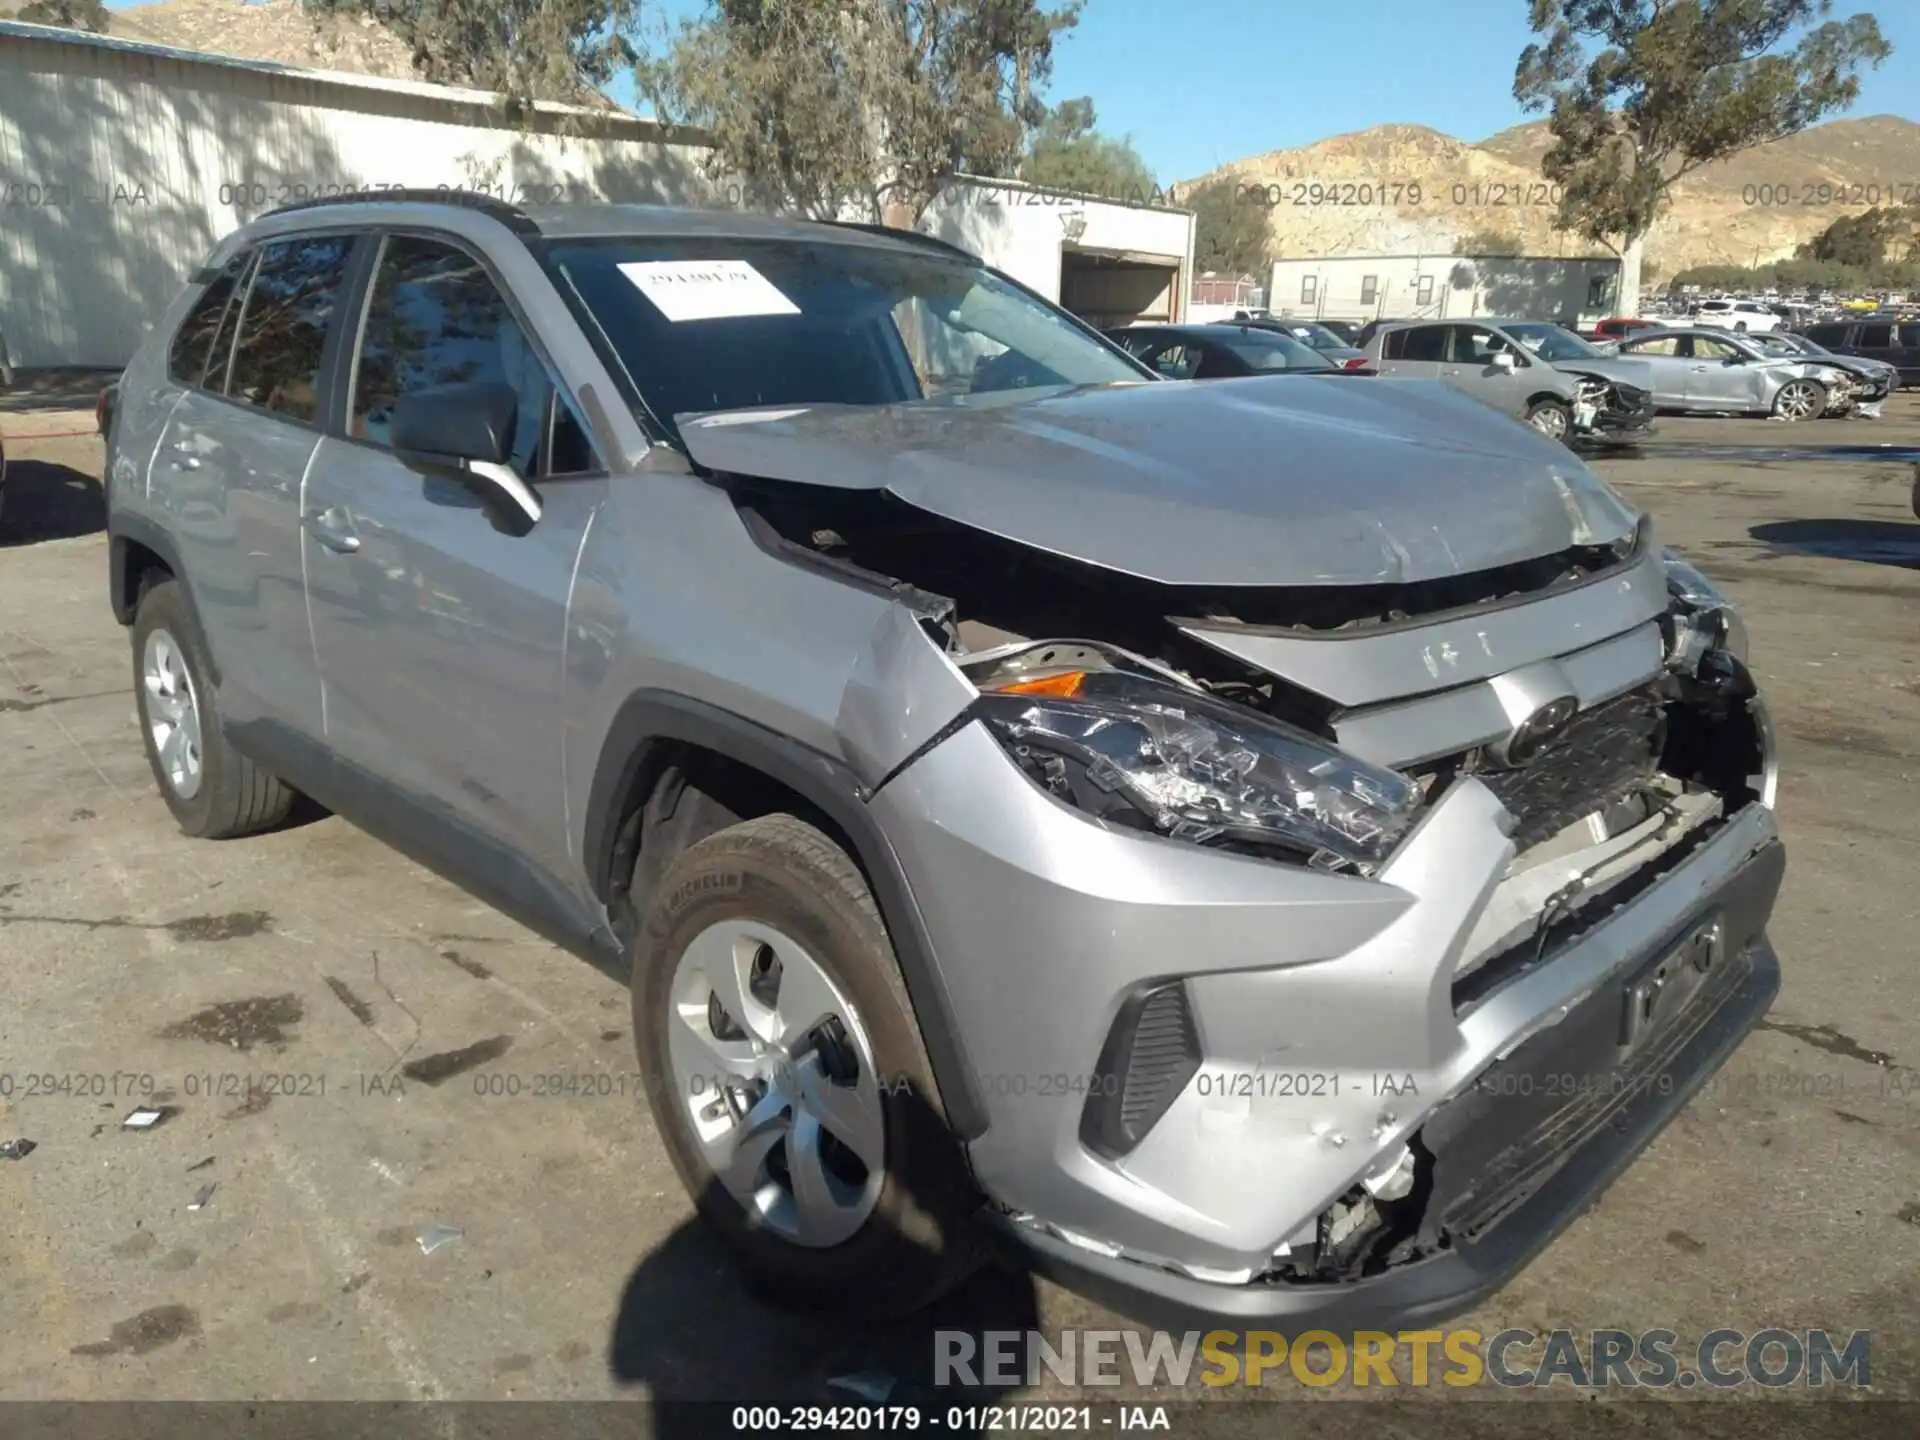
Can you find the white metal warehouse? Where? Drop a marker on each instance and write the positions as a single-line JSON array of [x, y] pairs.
[[1409, 287], [123, 163]]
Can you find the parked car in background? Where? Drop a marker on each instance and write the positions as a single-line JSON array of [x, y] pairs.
[[1877, 378], [1881, 337], [1348, 332], [1736, 315], [911, 694], [1313, 333], [1218, 352], [1620, 326], [1535, 371], [1713, 371]]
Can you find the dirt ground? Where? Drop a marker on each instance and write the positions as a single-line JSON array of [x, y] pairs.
[[395, 1014]]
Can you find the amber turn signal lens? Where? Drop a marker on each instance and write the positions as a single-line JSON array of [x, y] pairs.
[[1064, 686]]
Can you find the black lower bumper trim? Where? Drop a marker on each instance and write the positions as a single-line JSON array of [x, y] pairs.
[[1449, 1283]]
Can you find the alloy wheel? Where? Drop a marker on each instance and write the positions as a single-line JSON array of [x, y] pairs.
[[1797, 400], [1550, 420], [172, 712], [776, 1076]]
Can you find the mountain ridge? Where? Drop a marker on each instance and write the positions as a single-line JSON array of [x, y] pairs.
[[1395, 188]]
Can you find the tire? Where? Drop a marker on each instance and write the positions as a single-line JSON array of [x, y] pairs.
[[1551, 418], [229, 795], [778, 874], [1800, 400]]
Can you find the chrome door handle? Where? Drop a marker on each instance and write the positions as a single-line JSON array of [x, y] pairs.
[[334, 529]]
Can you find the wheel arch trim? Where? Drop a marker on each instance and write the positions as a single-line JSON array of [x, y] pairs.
[[650, 718], [125, 529]]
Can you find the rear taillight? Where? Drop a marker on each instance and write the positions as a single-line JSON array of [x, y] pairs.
[[1359, 362]]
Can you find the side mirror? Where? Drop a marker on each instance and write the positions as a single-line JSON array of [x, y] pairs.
[[1505, 360], [466, 430]]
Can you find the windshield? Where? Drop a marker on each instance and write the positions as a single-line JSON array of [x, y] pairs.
[[710, 323], [1269, 350], [1551, 342]]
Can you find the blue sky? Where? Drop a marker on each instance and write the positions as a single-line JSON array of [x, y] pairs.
[[1201, 82]]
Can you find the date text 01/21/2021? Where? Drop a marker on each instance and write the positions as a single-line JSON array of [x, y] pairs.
[[959, 1419]]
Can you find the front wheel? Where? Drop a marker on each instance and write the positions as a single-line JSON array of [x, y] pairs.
[[1800, 400], [1551, 418], [213, 790], [788, 1079]]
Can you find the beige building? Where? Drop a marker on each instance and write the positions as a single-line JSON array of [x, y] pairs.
[[124, 162]]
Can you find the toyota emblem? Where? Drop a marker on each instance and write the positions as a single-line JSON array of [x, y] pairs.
[[1536, 731]]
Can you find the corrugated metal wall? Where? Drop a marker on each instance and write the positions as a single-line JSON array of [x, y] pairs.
[[120, 170]]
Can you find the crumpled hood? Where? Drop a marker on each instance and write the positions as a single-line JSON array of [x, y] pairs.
[[1281, 480], [1619, 369]]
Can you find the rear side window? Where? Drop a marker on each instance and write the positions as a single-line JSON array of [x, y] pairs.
[[1910, 335], [1428, 342], [436, 318], [194, 344], [1875, 337], [283, 324], [1827, 334]]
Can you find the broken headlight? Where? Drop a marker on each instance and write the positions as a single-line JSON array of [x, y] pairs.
[[1135, 750], [1700, 617]]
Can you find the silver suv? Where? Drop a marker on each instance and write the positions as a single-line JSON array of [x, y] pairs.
[[1272, 851]]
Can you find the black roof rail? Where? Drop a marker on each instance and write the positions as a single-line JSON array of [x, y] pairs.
[[512, 216], [911, 236]]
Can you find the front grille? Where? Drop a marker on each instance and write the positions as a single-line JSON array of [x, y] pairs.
[[1606, 753]]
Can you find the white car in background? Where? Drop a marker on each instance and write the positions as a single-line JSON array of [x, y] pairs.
[[1737, 315]]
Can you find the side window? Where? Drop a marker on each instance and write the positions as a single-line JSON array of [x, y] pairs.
[[1827, 334], [198, 339], [1663, 345], [1875, 337], [1423, 342], [436, 318], [283, 324], [1707, 349], [1175, 360], [1473, 346], [1910, 336]]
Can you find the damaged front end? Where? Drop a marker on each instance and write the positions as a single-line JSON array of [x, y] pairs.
[[1336, 970], [1611, 410]]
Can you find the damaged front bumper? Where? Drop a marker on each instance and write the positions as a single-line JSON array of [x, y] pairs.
[[1228, 1088], [1613, 412], [1528, 1142]]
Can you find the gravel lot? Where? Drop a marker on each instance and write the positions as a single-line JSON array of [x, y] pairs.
[[1788, 1195]]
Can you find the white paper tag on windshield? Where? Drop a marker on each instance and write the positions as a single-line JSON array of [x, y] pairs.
[[707, 289]]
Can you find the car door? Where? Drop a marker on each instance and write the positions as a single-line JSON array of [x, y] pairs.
[[1414, 352], [229, 470], [1722, 376], [1875, 340], [1665, 364], [440, 628], [1905, 355], [1472, 366]]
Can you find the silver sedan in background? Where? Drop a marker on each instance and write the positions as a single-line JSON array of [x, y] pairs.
[[1717, 372]]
